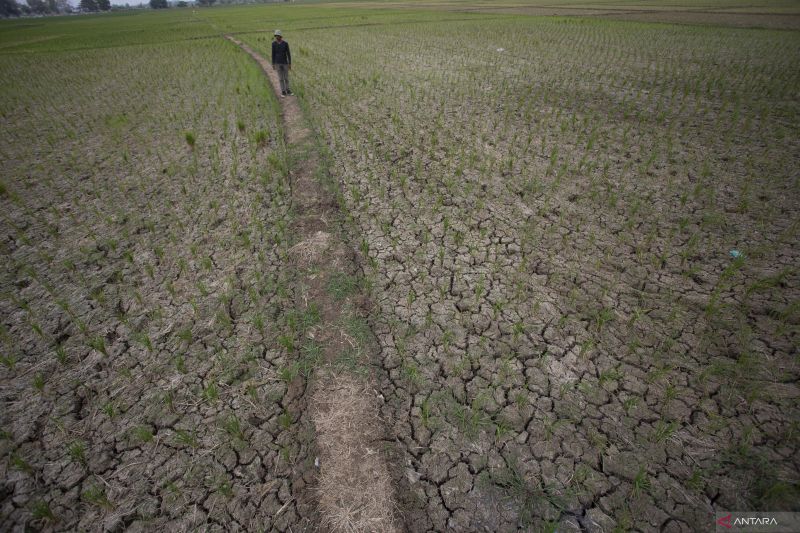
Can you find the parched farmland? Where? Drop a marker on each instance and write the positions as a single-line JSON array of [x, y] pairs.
[[574, 304], [144, 226], [579, 236]]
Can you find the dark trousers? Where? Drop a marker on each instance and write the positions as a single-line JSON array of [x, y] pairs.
[[283, 76]]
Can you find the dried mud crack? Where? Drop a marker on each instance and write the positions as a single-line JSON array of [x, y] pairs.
[[335, 347], [566, 259], [143, 384]]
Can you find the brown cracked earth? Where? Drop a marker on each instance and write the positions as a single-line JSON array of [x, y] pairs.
[[264, 416], [363, 342]]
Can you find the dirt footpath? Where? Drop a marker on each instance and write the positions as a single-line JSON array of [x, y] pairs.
[[354, 487]]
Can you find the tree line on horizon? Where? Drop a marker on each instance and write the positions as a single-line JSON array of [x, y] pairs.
[[160, 4], [12, 8]]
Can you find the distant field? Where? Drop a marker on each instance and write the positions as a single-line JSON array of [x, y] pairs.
[[577, 225], [779, 14]]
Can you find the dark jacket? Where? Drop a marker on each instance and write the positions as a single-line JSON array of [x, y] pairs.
[[280, 53]]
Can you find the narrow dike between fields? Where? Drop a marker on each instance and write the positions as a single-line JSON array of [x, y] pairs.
[[353, 489]]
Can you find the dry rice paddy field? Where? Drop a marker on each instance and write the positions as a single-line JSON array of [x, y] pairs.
[[575, 304]]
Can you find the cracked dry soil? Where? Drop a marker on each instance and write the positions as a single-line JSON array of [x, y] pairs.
[[566, 341], [147, 319], [185, 345], [562, 339]]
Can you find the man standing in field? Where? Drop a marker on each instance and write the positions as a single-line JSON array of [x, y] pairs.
[[282, 62]]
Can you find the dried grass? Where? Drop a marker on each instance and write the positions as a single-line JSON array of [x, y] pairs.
[[355, 492], [310, 251]]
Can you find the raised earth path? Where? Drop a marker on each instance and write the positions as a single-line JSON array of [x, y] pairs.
[[354, 491]]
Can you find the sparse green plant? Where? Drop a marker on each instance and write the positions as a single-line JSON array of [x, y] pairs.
[[98, 343], [77, 451], [287, 341], [18, 463], [351, 361], [664, 430], [187, 437], [630, 403], [109, 408], [470, 419], [518, 330], [611, 374], [258, 321], [97, 496], [38, 381], [225, 488], [180, 364], [290, 372], [358, 329], [641, 483], [501, 428], [143, 434], [173, 490], [285, 420], [211, 393], [233, 427], [696, 482], [9, 361], [312, 354], [261, 137], [40, 510], [300, 321], [61, 354], [425, 411], [526, 494], [223, 320], [521, 399], [341, 285], [586, 347], [601, 317]]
